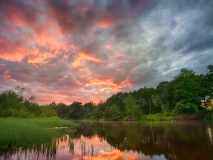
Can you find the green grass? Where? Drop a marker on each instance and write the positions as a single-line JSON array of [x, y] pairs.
[[204, 115], [29, 132], [157, 117]]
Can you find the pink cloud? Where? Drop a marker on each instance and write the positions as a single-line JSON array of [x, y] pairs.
[[7, 75]]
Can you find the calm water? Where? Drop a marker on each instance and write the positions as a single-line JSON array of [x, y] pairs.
[[126, 141]]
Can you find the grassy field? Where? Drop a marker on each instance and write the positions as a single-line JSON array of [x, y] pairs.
[[30, 132]]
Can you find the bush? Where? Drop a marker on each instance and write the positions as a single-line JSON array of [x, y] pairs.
[[185, 107], [208, 115], [113, 112]]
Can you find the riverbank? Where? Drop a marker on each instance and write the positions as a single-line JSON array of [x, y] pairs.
[[201, 116], [30, 132]]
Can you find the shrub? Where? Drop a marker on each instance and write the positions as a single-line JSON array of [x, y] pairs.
[[113, 112], [185, 107]]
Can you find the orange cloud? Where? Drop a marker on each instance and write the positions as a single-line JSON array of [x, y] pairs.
[[104, 24], [33, 55], [84, 56], [46, 36], [53, 97], [107, 84], [50, 36], [105, 21], [126, 83], [77, 63], [7, 75], [15, 55], [119, 55], [19, 21], [88, 57]]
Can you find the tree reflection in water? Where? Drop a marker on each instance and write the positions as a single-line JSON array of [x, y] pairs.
[[42, 152], [93, 147], [120, 140], [166, 140]]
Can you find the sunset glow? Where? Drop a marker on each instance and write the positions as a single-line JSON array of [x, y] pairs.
[[80, 50], [92, 148]]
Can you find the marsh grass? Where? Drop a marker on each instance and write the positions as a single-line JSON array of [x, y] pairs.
[[157, 117], [29, 132]]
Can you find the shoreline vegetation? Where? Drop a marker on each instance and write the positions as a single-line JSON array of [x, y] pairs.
[[21, 133], [200, 116], [187, 96]]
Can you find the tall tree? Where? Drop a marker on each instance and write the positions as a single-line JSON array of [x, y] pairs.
[[187, 87], [76, 110], [118, 99], [145, 97], [99, 111], [88, 108], [162, 96], [113, 112], [132, 110], [186, 91], [206, 92]]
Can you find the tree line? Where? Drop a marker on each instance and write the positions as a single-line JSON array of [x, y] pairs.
[[186, 93], [13, 104]]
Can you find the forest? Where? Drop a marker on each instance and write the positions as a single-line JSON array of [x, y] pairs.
[[186, 93]]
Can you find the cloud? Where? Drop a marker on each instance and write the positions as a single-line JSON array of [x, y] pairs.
[[7, 75], [86, 50]]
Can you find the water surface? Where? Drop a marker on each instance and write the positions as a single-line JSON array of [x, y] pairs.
[[126, 141]]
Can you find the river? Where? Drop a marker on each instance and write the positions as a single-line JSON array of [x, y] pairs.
[[126, 141]]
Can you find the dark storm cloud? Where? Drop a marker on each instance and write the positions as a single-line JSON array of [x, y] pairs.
[[21, 9], [69, 18], [202, 46], [78, 19]]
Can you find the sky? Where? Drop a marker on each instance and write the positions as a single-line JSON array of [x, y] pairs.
[[86, 50]]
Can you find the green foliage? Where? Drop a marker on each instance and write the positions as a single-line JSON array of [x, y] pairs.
[[113, 112], [88, 109], [32, 108], [118, 99], [185, 107], [208, 115], [157, 117], [132, 110], [47, 112], [205, 90], [210, 79], [11, 99], [98, 112], [162, 96], [187, 87], [13, 104], [76, 110], [29, 132], [146, 99], [210, 68]]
